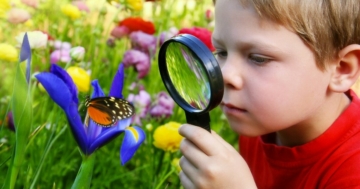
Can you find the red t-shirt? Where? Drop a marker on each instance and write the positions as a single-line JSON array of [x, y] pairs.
[[332, 160]]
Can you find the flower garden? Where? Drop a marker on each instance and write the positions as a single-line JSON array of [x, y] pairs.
[[54, 54]]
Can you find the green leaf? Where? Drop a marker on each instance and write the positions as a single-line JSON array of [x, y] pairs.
[[21, 106]]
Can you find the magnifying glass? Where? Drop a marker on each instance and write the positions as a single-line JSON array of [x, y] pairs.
[[192, 77]]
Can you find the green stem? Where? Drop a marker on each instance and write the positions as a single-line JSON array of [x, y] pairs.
[[45, 155], [165, 177], [84, 176], [162, 155]]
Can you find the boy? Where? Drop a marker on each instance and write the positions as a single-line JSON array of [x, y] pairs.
[[287, 68]]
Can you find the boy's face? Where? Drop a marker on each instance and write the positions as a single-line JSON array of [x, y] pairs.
[[270, 75]]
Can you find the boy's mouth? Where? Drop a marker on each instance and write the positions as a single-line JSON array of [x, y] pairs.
[[230, 108]]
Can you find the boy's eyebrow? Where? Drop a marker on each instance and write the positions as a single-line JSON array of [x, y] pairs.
[[250, 44]]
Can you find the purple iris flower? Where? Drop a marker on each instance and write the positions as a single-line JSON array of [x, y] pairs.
[[63, 91]]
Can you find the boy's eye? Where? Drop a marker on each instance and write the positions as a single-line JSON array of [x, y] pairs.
[[258, 59], [220, 54]]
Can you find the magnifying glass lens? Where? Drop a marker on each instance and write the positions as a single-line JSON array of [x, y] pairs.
[[192, 77], [188, 75]]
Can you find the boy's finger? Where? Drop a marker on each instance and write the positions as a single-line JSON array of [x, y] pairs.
[[189, 169], [201, 138], [185, 181], [192, 153], [222, 141]]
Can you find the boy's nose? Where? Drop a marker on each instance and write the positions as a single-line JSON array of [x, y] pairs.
[[232, 75]]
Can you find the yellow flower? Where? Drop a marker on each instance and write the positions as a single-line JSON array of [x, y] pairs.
[[80, 77], [175, 163], [136, 5], [71, 11], [8, 52], [4, 7], [29, 23], [167, 137]]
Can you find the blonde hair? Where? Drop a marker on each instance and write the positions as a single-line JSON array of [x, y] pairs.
[[326, 26]]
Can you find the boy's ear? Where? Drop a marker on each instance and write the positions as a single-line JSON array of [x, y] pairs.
[[347, 68]]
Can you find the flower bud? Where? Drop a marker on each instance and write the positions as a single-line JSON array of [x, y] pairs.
[[103, 10], [77, 53]]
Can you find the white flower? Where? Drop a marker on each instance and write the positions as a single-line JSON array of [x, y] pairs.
[[37, 39], [77, 53]]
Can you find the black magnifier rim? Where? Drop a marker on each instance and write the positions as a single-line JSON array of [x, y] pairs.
[[209, 63]]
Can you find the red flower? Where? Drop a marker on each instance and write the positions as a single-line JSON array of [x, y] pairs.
[[138, 24], [202, 33]]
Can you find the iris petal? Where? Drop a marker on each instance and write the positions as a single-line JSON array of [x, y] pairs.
[[76, 126], [56, 88], [133, 138], [93, 131], [25, 54], [65, 77], [98, 92], [109, 133], [118, 83]]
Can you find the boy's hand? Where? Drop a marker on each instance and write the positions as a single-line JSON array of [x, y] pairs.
[[210, 162]]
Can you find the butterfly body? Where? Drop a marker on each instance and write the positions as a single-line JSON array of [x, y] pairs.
[[106, 111]]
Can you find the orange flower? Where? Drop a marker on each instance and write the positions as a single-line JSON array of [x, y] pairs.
[[138, 24]]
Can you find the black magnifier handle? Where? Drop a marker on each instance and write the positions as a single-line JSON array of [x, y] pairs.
[[199, 119]]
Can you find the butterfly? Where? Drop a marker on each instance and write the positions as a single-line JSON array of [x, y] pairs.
[[106, 111]]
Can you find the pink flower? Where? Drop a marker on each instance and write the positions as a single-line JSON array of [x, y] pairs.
[[31, 3], [140, 60], [119, 31], [60, 56], [167, 34], [62, 45], [17, 16], [142, 102], [164, 106], [209, 15], [81, 5], [143, 42]]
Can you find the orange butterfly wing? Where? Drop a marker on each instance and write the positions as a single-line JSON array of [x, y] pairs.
[[105, 111]]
